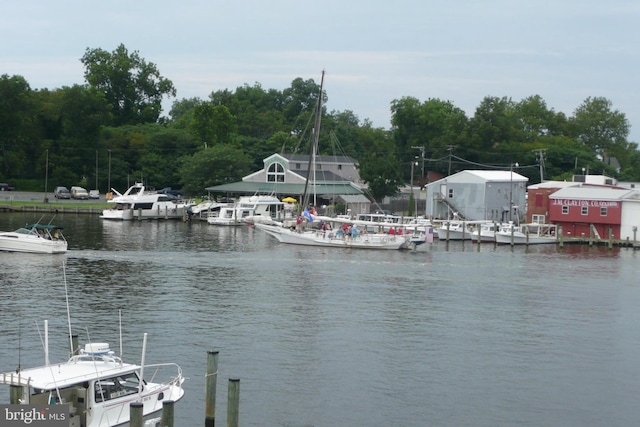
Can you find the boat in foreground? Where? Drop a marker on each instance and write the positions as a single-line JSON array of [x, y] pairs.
[[526, 234], [34, 238], [140, 203], [97, 386]]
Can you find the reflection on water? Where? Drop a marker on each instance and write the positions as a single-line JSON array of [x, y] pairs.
[[455, 334]]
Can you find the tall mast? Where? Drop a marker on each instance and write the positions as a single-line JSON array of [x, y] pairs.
[[314, 149]]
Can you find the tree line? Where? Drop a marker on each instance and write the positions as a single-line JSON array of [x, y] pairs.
[[109, 131]]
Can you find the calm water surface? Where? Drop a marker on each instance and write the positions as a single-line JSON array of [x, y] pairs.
[[448, 335]]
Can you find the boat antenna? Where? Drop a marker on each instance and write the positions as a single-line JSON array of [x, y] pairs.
[[66, 295]]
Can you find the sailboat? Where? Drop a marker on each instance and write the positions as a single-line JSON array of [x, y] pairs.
[[325, 231]]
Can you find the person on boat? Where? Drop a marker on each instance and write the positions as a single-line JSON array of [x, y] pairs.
[[354, 231], [392, 231], [346, 230], [298, 223]]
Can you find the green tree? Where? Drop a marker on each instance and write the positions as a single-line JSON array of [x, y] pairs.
[[216, 165], [17, 111], [601, 128], [212, 124], [133, 86]]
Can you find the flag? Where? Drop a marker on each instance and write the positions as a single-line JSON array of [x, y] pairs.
[[307, 215]]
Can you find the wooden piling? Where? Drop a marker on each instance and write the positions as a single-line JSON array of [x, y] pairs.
[[233, 402], [75, 349], [15, 394], [136, 415], [167, 413], [210, 392]]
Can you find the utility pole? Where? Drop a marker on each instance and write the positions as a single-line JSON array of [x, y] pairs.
[[540, 158], [422, 157], [450, 148]]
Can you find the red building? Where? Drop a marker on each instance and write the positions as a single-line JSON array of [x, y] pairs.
[[588, 210], [538, 199]]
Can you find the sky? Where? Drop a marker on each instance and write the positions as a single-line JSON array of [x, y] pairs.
[[373, 51]]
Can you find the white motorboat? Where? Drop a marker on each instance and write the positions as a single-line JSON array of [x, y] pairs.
[[455, 230], [250, 210], [97, 386], [206, 208], [139, 203], [340, 234], [526, 234], [34, 238]]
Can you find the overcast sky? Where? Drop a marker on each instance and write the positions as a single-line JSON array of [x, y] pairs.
[[373, 51]]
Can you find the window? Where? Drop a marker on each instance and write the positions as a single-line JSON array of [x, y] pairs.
[[540, 219], [539, 200], [604, 211], [451, 193], [112, 388], [584, 210], [275, 173], [565, 210]]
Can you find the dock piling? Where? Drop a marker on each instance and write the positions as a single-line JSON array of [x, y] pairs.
[[233, 402], [210, 392]]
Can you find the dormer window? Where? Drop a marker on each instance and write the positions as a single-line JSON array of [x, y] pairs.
[[275, 173]]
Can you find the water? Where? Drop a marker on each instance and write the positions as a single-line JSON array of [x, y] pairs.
[[447, 335]]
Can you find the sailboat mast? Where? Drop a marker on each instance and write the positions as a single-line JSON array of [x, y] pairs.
[[311, 170]]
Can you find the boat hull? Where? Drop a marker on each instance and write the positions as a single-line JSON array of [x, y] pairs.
[[9, 242], [329, 239], [522, 239]]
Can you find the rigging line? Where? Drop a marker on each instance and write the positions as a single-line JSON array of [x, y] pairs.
[[66, 295]]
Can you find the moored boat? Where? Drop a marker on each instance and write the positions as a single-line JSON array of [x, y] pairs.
[[139, 203], [250, 210], [526, 234]]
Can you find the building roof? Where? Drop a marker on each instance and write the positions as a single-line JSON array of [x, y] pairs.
[[248, 187], [497, 175], [591, 193], [553, 184]]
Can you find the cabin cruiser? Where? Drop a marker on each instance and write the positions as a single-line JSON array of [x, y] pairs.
[[140, 203], [251, 210]]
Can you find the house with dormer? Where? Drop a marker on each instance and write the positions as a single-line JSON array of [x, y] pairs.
[[328, 180]]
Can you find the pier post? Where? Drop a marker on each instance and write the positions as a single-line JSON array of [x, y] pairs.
[[15, 393], [167, 413], [210, 392], [233, 402], [560, 236], [75, 350], [610, 244], [136, 416]]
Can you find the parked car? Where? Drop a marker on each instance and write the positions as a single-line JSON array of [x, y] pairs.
[[79, 193], [94, 194], [61, 193], [6, 187]]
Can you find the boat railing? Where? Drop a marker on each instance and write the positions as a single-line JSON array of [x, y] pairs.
[[176, 380], [14, 378]]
